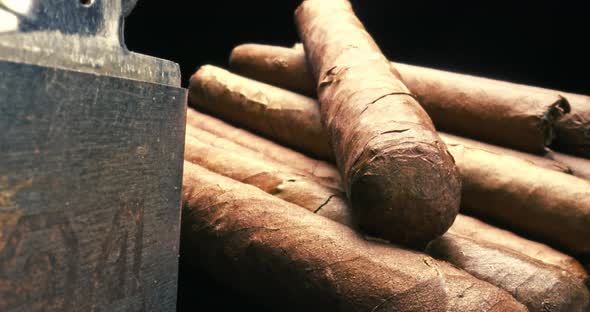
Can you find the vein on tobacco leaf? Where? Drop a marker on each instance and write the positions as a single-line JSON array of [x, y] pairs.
[[497, 303], [253, 228], [325, 203], [335, 263], [529, 278], [383, 302], [471, 285], [394, 131], [384, 96], [409, 290]]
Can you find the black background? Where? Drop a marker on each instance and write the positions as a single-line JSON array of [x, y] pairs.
[[533, 42]]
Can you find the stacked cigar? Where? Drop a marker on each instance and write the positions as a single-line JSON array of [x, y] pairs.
[[351, 202]]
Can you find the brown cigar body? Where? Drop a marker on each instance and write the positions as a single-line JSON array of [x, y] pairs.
[[325, 202], [398, 176], [489, 199], [479, 231], [579, 166], [550, 206], [293, 260], [490, 110], [537, 160], [240, 99], [267, 149], [539, 286], [222, 144], [503, 113], [287, 185], [573, 129], [235, 162]]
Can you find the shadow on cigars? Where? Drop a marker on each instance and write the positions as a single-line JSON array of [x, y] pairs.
[[199, 291]]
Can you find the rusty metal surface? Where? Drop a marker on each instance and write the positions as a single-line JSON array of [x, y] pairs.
[[91, 150]]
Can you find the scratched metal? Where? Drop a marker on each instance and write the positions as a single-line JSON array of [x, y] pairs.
[[90, 166], [82, 35], [90, 178]]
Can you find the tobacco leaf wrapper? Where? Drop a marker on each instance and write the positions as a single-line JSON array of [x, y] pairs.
[[573, 130], [579, 166], [479, 231], [550, 206], [289, 186], [313, 197], [292, 259], [401, 181], [240, 99], [541, 161], [222, 144], [233, 161], [500, 112], [267, 149], [564, 207], [537, 285]]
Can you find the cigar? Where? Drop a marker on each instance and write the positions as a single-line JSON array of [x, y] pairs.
[[305, 194], [264, 146], [301, 110], [291, 259], [269, 177], [223, 93], [227, 145], [541, 161], [573, 129], [579, 166], [399, 177], [240, 99], [538, 286], [489, 110], [547, 205], [236, 163], [481, 232], [498, 187]]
